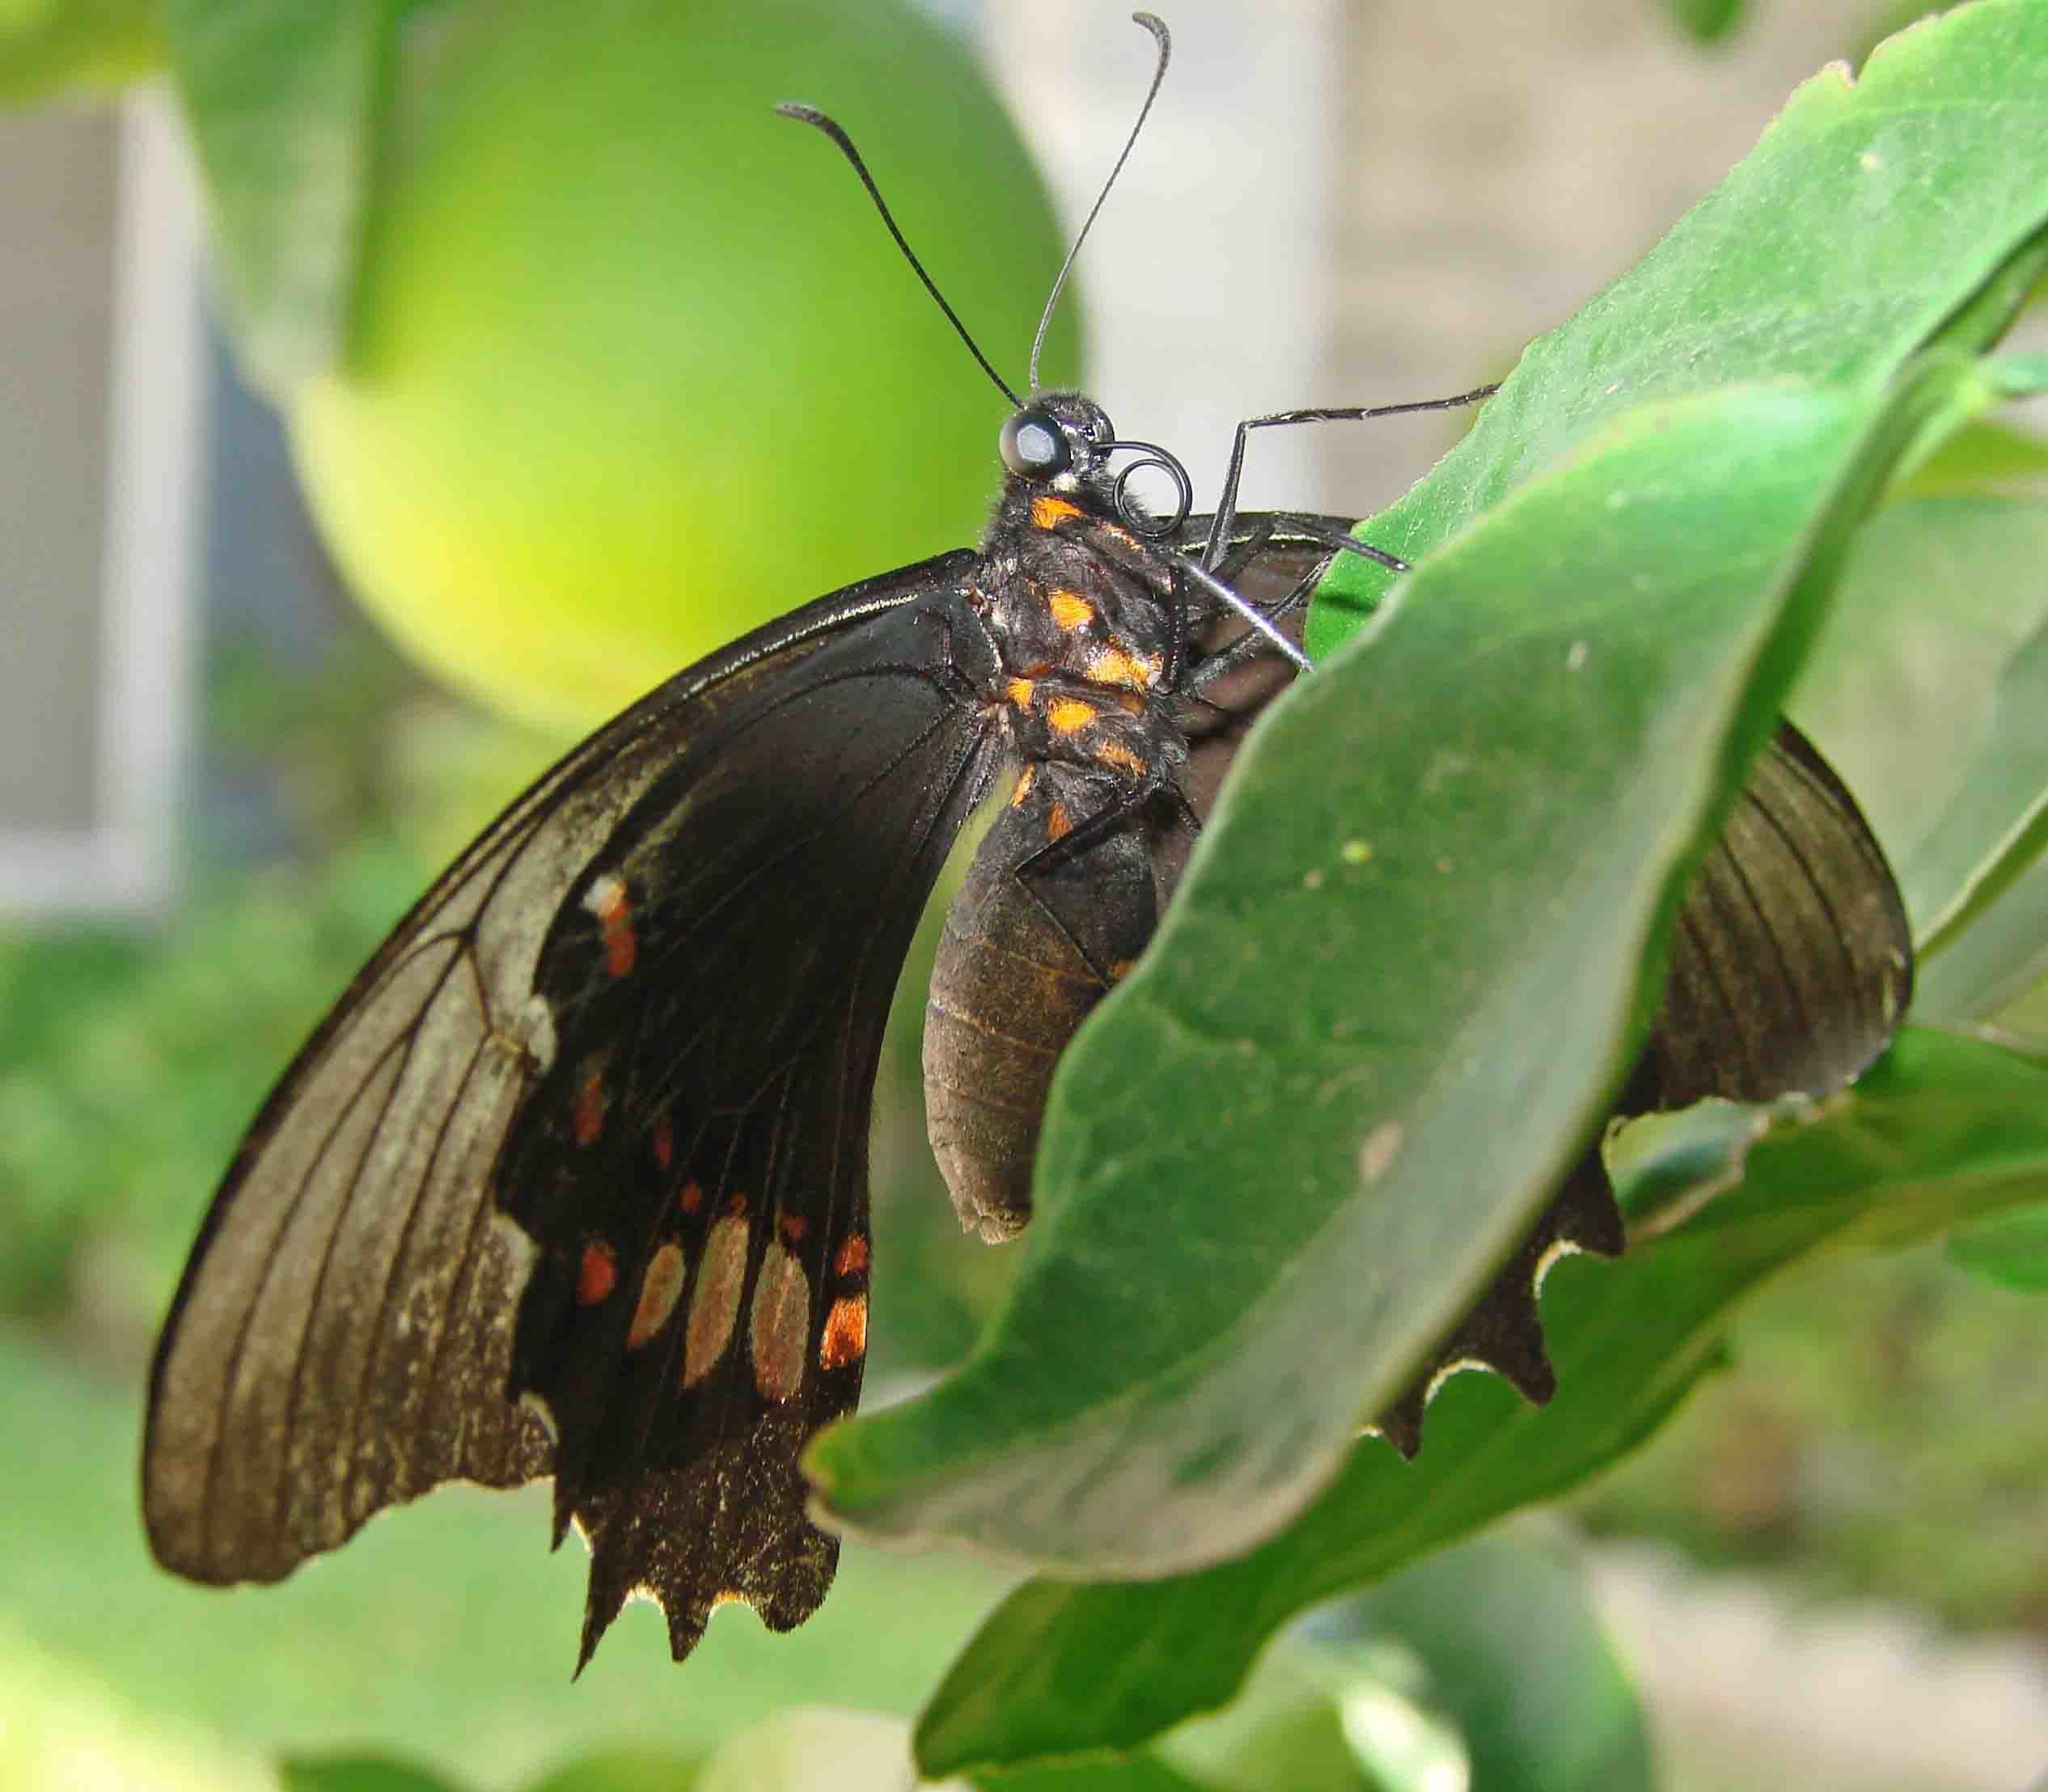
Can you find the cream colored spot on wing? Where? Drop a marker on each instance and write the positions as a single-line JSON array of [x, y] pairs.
[[779, 1326], [660, 1289], [714, 1307]]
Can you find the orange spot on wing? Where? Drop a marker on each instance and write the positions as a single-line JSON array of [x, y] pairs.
[[1058, 824], [792, 1226], [1048, 513], [778, 1325], [1023, 789], [660, 1289], [1070, 610], [590, 1108], [1116, 754], [690, 1197], [1070, 715], [597, 1276], [846, 1332], [852, 1256], [664, 1142], [1019, 690], [736, 1205]]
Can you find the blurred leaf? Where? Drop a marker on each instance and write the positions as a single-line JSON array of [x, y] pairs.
[[1705, 21], [1124, 1774], [2010, 1250], [287, 106], [1986, 458], [1943, 1130], [1561, 702], [1872, 218], [2002, 954], [624, 1770], [1928, 687], [1518, 1660], [46, 45], [358, 1773]]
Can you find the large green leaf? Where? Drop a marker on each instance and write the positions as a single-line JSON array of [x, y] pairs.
[[287, 105], [1874, 215], [1480, 814], [1943, 1129]]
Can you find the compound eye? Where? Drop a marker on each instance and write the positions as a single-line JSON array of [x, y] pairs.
[[1035, 446]]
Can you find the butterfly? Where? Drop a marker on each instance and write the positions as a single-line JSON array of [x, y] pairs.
[[572, 1181]]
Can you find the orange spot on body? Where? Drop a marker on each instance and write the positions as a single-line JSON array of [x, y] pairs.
[[1019, 690], [690, 1198], [778, 1325], [1049, 513], [1070, 610], [1070, 715], [1058, 824], [590, 1108], [1116, 754], [846, 1332], [1024, 781], [1127, 671], [660, 1289], [597, 1276], [852, 1257]]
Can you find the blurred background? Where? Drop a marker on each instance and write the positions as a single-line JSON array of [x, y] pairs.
[[221, 781]]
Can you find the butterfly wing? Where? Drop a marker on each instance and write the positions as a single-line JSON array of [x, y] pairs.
[[1791, 964], [664, 968]]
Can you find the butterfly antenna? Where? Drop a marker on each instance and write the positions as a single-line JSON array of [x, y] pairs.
[[810, 115], [1157, 27]]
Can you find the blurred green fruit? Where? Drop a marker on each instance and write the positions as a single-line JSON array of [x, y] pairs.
[[634, 364]]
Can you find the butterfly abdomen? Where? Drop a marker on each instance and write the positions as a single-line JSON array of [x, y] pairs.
[[1027, 954]]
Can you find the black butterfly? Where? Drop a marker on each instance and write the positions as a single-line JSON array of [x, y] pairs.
[[572, 1179]]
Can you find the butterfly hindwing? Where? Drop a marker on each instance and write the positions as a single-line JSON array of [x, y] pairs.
[[384, 1264]]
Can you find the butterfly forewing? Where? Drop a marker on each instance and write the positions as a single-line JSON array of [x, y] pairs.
[[344, 1336]]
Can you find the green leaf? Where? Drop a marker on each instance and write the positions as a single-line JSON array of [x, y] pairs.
[[1872, 217], [287, 106], [1485, 806], [2010, 1250], [47, 45], [624, 1770], [1518, 1661], [1943, 1130], [1928, 690], [359, 1773]]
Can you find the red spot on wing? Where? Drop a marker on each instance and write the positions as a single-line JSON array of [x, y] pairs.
[[792, 1226], [607, 900], [597, 1276], [690, 1198], [664, 1142], [736, 1205], [591, 1103]]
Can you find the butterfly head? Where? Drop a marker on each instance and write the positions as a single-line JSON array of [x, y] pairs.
[[1064, 442]]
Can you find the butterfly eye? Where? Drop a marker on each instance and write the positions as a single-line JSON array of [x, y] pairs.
[[1035, 446]]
